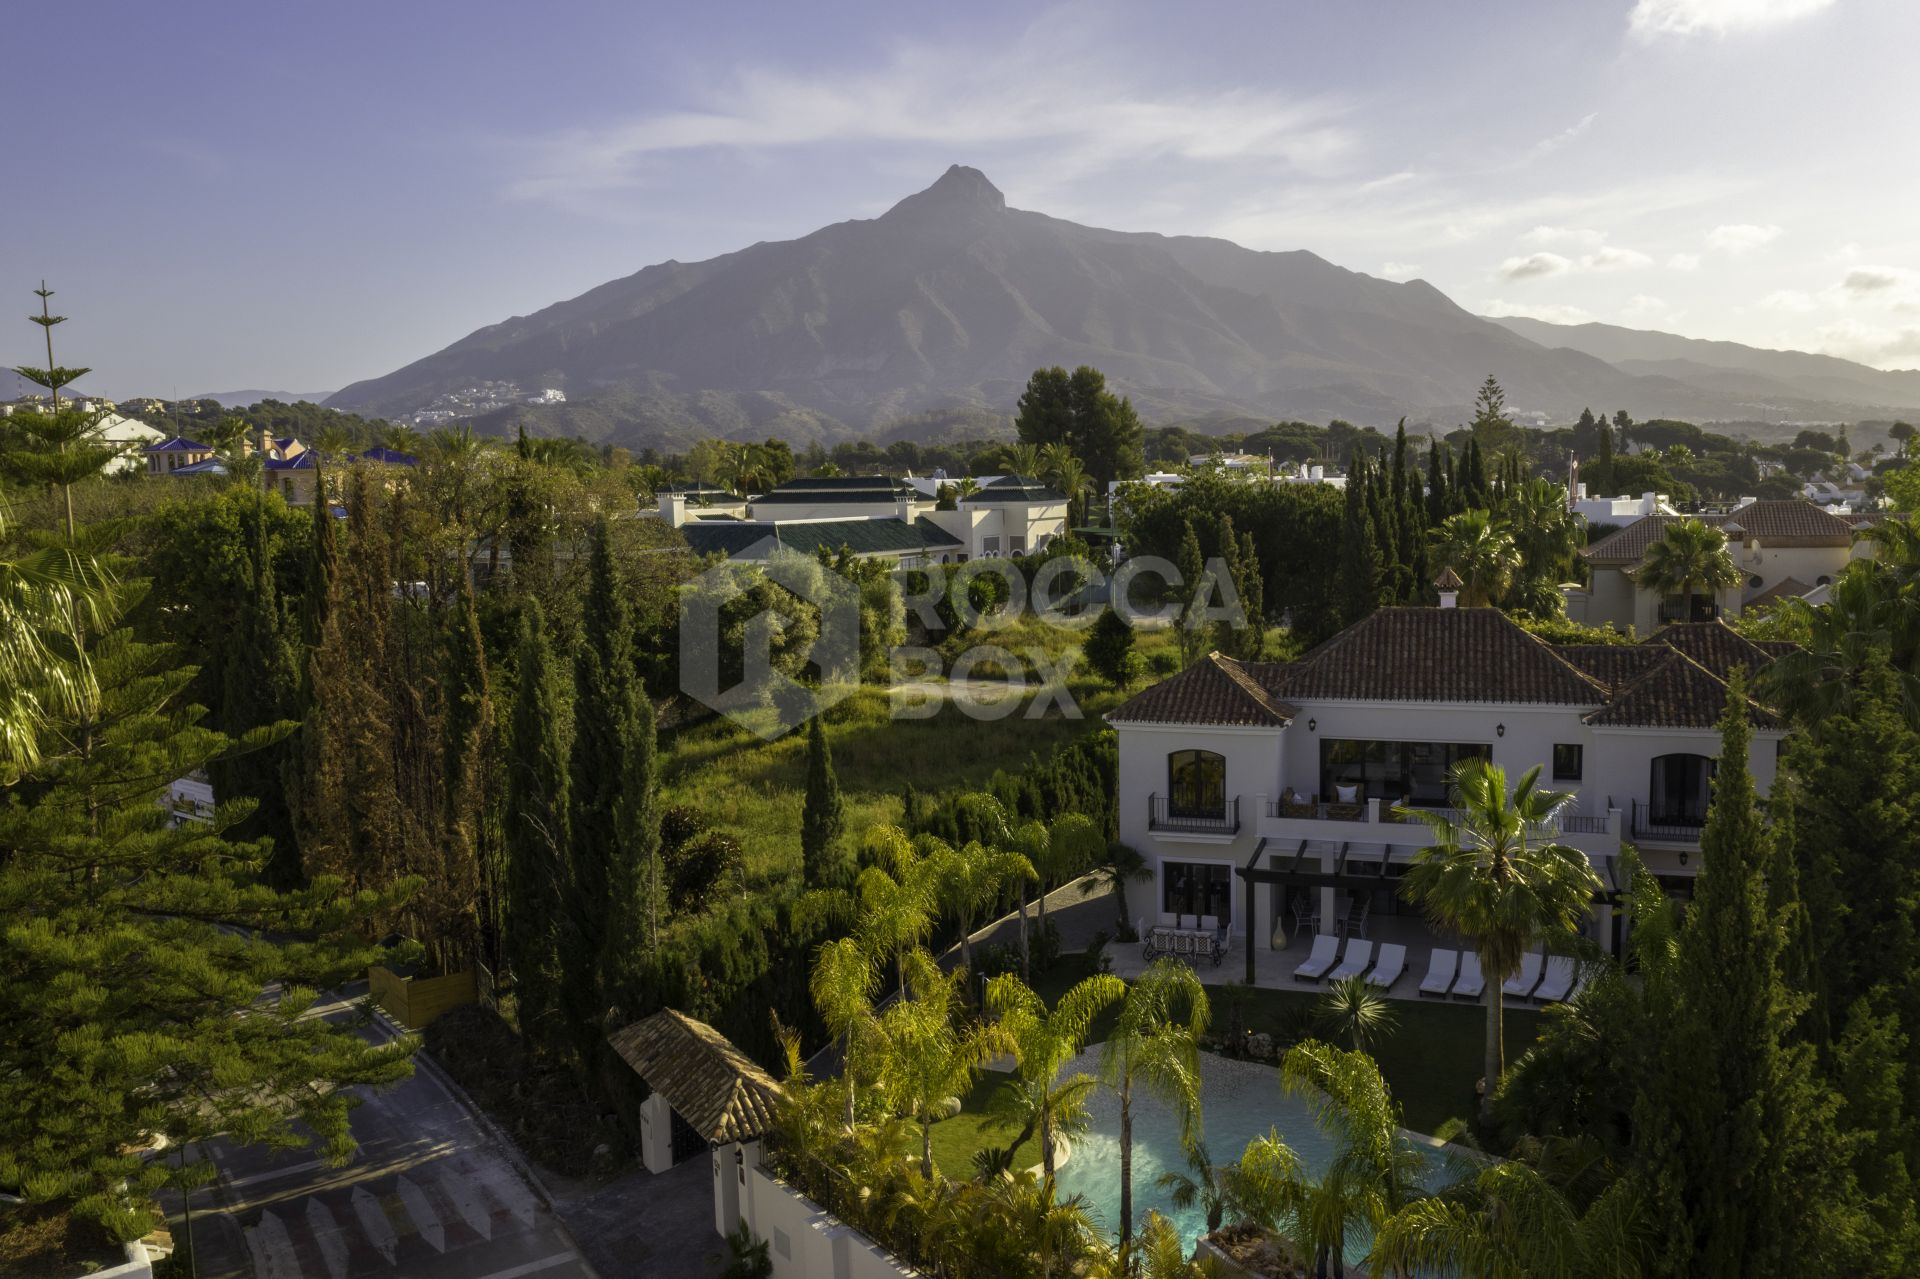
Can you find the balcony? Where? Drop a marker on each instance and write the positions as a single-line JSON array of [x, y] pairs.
[[1665, 828], [1163, 816], [1373, 822]]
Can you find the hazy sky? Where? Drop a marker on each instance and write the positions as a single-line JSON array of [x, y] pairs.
[[296, 196]]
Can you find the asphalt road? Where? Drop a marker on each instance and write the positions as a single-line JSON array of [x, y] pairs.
[[430, 1195]]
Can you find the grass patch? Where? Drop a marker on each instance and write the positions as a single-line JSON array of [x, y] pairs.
[[954, 1140]]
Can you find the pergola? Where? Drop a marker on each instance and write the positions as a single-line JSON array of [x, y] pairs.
[[713, 1086]]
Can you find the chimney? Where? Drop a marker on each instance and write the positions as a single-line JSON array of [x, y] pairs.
[[1448, 584], [673, 508]]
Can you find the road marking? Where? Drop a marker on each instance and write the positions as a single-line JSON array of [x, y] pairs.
[[272, 1247], [374, 1223], [288, 1171], [420, 1208], [334, 1249], [545, 1263], [461, 1194], [506, 1189]]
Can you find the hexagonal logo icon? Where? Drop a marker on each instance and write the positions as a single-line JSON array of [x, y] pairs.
[[769, 639]]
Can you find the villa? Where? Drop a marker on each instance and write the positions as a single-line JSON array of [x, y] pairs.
[[1262, 795], [1778, 545], [875, 516]]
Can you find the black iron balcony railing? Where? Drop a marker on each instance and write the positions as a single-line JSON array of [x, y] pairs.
[[1672, 828], [1164, 814]]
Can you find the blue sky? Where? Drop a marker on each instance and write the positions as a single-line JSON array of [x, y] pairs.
[[294, 197]]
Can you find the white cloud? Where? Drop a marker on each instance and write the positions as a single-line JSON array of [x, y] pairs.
[[1553, 313], [1653, 18], [1872, 344], [1644, 307], [1791, 300], [1604, 257], [1865, 280], [1565, 235], [1683, 262], [1399, 270], [1741, 237], [1089, 114], [1553, 142], [1535, 264]]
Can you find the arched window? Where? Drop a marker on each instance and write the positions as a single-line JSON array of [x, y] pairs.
[[1196, 784]]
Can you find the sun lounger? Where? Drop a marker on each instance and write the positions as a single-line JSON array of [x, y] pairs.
[[1442, 967], [1557, 982], [1472, 981], [1326, 947], [1387, 970], [1358, 959], [1521, 984]]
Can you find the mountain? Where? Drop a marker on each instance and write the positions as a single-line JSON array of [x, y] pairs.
[[1728, 367], [245, 399], [950, 299], [14, 387]]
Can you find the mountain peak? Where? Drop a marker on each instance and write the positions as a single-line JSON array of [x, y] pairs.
[[961, 189]]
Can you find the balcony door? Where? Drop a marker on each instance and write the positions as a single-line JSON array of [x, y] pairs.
[[1196, 784], [1197, 888], [1679, 789]]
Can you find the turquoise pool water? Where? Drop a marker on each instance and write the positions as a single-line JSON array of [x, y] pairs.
[[1239, 1100]]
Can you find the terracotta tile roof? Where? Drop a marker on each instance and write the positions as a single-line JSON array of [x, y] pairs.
[[712, 1085], [1612, 664], [1436, 655], [1776, 522], [1677, 692], [1214, 690], [1714, 645]]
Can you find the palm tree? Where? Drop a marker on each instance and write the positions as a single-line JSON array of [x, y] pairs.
[[1509, 1222], [927, 1056], [971, 879], [1122, 867], [1545, 532], [1269, 1188], [1054, 460], [1869, 611], [896, 897], [1375, 1169], [1203, 1183], [1060, 851], [1023, 459], [1043, 1042], [1480, 550], [1355, 1010], [1155, 1047], [1689, 557], [1072, 479], [844, 983], [1485, 878], [50, 598], [1163, 1256]]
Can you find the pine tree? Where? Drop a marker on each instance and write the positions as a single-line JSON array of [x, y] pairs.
[[63, 446], [1731, 1152], [154, 985], [537, 835], [1109, 651], [823, 820]]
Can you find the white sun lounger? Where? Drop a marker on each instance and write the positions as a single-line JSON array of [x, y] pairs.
[[1558, 981], [1358, 959], [1521, 984], [1387, 970], [1472, 981], [1325, 948], [1442, 967]]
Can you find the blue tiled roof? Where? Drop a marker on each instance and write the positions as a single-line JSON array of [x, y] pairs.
[[177, 444], [391, 457], [298, 462], [212, 466]]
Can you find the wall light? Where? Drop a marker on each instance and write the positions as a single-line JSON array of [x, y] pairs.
[[1683, 858], [1499, 730], [1312, 724]]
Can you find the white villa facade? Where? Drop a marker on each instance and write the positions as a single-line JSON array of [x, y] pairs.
[[874, 516], [1782, 547], [1256, 792]]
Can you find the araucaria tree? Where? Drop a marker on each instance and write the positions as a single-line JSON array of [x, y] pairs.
[[824, 859]]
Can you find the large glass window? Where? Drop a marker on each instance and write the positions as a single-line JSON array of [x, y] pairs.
[[1353, 771], [1681, 786], [1195, 888], [1196, 784], [1568, 761]]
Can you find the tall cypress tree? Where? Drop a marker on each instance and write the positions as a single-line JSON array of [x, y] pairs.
[[1359, 547], [1195, 636], [1253, 596], [467, 757], [537, 835], [1437, 495], [1729, 1128], [259, 684], [823, 820]]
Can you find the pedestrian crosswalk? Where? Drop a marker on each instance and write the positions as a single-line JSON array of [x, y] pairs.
[[401, 1222]]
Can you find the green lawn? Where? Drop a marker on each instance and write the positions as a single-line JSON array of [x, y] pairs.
[[955, 1139]]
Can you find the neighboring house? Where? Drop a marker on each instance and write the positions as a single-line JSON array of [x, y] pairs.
[[189, 799], [1773, 542], [875, 516], [295, 477], [165, 457], [1619, 510], [383, 456], [1255, 790]]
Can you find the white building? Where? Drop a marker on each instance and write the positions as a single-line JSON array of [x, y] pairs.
[[1256, 791], [875, 516], [1619, 510], [1784, 546]]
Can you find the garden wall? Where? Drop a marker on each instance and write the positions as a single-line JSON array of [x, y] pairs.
[[804, 1241], [416, 1001]]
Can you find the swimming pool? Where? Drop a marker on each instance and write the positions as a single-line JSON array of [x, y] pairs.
[[1239, 1100]]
